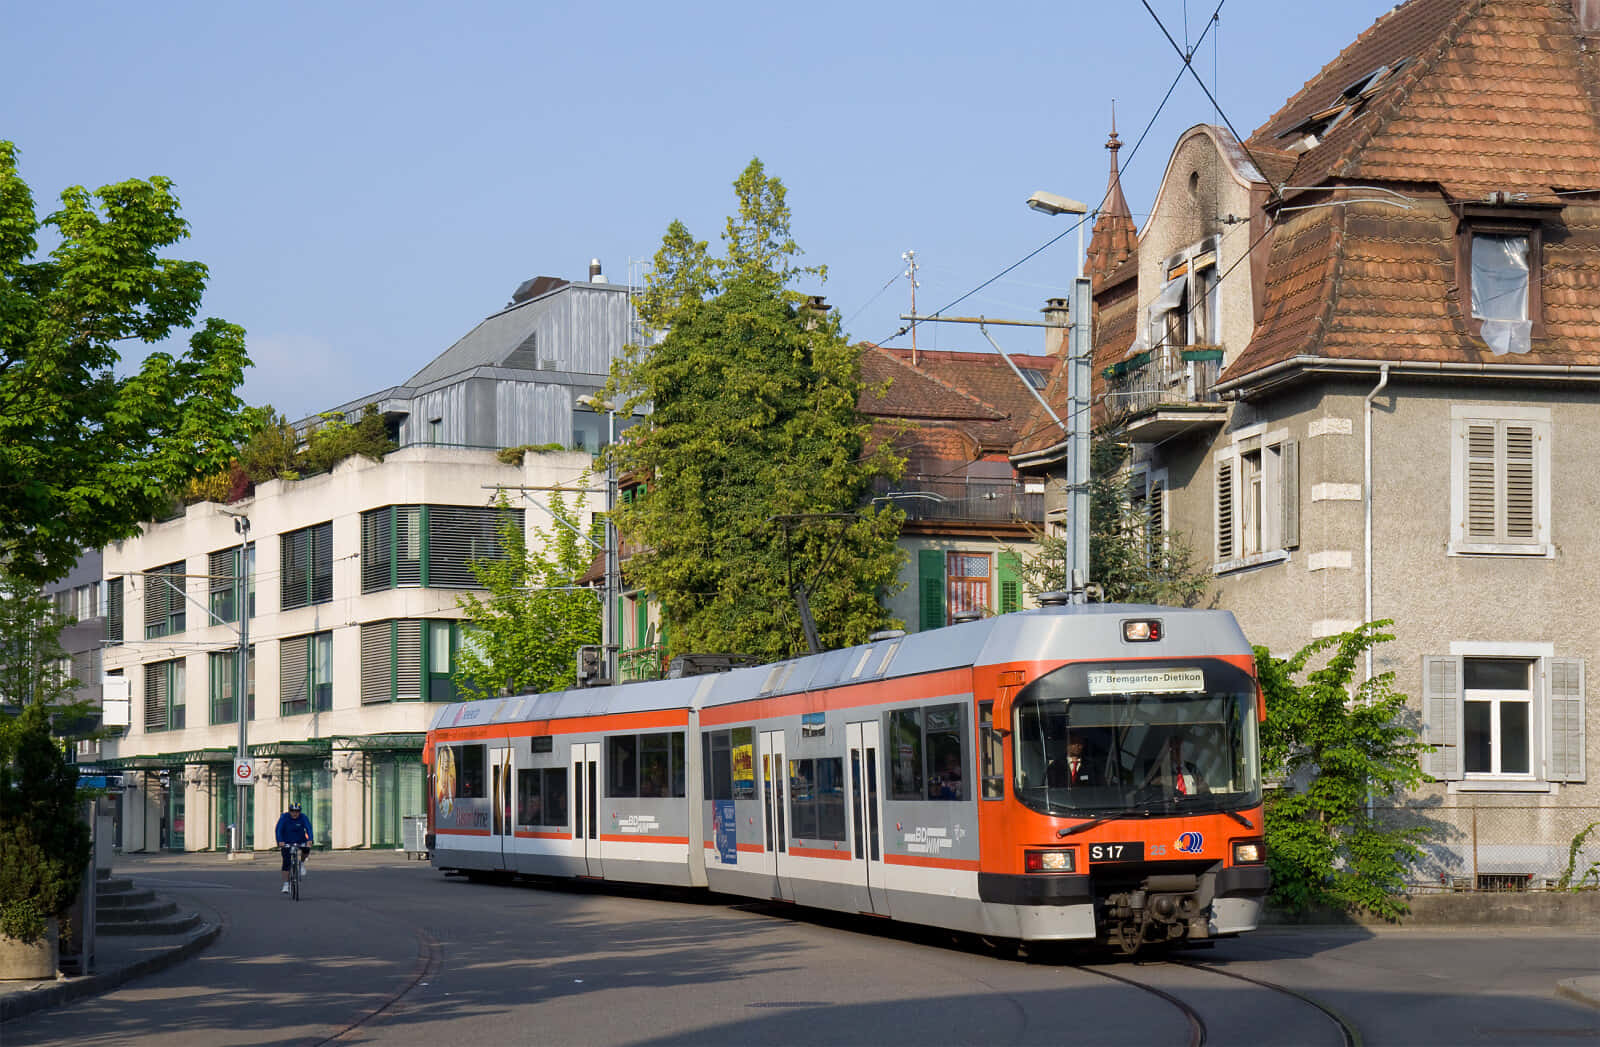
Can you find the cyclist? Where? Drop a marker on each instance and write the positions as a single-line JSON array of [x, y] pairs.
[[294, 829]]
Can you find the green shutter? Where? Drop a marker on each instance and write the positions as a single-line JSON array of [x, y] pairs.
[[930, 586], [1010, 583]]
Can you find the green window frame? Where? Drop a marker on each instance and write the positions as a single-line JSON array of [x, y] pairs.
[[431, 546], [164, 602], [930, 589], [226, 583], [224, 673], [164, 697], [305, 674], [307, 567]]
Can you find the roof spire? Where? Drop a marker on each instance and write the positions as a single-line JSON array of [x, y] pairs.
[[1115, 236]]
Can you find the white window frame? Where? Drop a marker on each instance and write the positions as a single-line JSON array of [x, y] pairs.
[[1260, 529], [1462, 417], [1539, 739]]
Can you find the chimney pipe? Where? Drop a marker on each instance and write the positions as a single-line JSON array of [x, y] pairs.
[[1055, 338], [595, 276]]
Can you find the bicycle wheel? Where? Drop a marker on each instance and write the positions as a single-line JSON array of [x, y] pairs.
[[294, 878]]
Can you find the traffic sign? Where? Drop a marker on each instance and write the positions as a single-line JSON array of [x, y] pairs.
[[244, 771]]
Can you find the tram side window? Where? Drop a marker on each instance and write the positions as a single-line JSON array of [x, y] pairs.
[[470, 772], [730, 769], [816, 799], [991, 753], [542, 796], [542, 743], [927, 754], [645, 765]]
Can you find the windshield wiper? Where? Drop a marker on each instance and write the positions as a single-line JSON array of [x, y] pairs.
[[1143, 809], [1241, 819]]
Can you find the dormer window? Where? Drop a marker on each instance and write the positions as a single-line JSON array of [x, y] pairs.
[[1497, 253]]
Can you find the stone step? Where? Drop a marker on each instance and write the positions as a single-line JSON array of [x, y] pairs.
[[123, 900], [173, 924], [113, 885]]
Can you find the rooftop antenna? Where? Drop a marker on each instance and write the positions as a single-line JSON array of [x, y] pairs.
[[910, 258]]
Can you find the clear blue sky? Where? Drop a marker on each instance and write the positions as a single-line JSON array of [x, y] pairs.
[[368, 181]]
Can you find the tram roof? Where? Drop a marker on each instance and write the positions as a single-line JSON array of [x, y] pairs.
[[1071, 631]]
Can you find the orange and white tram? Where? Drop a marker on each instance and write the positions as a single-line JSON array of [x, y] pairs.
[[1072, 772]]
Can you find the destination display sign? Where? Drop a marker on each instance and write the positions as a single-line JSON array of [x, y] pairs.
[[1146, 681]]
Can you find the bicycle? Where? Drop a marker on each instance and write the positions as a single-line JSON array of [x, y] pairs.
[[297, 863]]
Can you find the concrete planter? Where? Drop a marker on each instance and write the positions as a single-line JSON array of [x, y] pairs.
[[36, 962]]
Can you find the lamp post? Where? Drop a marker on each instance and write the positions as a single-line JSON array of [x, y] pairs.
[[609, 641], [241, 525], [1077, 428]]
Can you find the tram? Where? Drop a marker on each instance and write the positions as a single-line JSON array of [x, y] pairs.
[[1079, 772]]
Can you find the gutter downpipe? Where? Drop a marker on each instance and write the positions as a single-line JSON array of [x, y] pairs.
[[1366, 496], [1366, 507]]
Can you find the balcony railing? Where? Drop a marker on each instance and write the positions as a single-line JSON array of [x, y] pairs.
[[1166, 377], [641, 663], [966, 500]]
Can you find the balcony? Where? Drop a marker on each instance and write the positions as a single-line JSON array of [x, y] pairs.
[[641, 663], [1157, 395], [962, 501]]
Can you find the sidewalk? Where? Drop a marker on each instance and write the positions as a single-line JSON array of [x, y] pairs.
[[118, 959]]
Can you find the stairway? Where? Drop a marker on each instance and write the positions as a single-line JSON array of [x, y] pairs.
[[123, 908]]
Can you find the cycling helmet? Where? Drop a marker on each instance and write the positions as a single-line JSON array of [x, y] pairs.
[[294, 806]]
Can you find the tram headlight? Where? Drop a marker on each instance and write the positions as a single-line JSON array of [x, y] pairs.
[[1249, 852], [1050, 861]]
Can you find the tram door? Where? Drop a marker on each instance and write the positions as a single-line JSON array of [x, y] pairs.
[[586, 807], [866, 812], [774, 776], [501, 826]]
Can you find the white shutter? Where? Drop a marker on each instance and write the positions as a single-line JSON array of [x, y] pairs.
[[1566, 720], [1521, 488], [408, 660], [1441, 717], [1290, 495], [155, 697], [1480, 500], [376, 662], [292, 656]]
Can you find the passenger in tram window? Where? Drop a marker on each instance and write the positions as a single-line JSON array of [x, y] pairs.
[[947, 785], [655, 777]]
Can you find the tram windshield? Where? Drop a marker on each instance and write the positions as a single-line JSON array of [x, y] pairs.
[[1157, 739]]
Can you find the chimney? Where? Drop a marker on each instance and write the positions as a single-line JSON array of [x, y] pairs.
[[1055, 338], [817, 306], [595, 276]]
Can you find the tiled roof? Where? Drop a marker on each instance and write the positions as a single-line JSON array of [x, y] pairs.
[[1116, 238], [1492, 95], [960, 405]]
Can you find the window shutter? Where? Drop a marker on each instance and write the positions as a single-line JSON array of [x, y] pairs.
[[292, 659], [1155, 506], [1291, 494], [377, 549], [1225, 510], [1010, 583], [1521, 527], [114, 610], [930, 586], [1441, 716], [222, 570], [460, 535], [1480, 503], [322, 562], [377, 662], [1566, 720], [408, 661], [294, 585], [155, 697]]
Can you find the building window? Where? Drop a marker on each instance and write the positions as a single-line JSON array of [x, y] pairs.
[[164, 696], [442, 643], [228, 582], [1503, 714], [1147, 516], [307, 575], [224, 672], [967, 583], [164, 601], [431, 545], [305, 674], [1498, 253], [1500, 480], [406, 660], [1257, 485]]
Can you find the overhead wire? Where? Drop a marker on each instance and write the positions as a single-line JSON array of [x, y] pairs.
[[1132, 153]]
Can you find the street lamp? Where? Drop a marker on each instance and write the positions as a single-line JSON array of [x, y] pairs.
[[609, 644], [241, 676], [1078, 353]]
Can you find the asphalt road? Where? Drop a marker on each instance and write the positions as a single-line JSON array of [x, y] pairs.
[[381, 950]]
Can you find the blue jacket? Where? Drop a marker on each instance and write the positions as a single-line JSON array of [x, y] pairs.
[[293, 830]]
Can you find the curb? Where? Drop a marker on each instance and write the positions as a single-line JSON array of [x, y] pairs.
[[1582, 990], [68, 989]]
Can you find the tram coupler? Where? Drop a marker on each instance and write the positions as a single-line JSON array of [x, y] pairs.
[[1163, 908]]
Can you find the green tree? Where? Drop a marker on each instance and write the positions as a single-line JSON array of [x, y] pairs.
[[87, 457], [526, 632], [1125, 561], [752, 443], [1337, 746], [44, 842]]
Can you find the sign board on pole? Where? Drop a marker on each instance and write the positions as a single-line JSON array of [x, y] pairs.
[[244, 771]]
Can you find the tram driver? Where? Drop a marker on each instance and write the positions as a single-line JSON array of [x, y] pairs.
[[1074, 768]]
